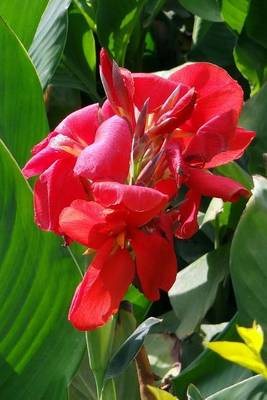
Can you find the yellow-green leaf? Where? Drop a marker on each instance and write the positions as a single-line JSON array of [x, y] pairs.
[[159, 394]]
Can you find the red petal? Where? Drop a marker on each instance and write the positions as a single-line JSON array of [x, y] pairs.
[[155, 262], [185, 219], [152, 87], [42, 160], [141, 203], [217, 92], [81, 124], [167, 186], [55, 189], [89, 223], [215, 186], [103, 287], [108, 157], [236, 147], [211, 139]]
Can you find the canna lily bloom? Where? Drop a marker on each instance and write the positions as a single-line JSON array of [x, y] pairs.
[[122, 225], [189, 127], [82, 148]]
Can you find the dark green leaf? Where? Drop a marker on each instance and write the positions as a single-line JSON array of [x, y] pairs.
[[209, 372], [129, 348], [254, 388], [254, 117], [195, 288], [22, 113], [206, 9], [193, 393], [23, 17], [49, 40], [39, 349], [248, 258]]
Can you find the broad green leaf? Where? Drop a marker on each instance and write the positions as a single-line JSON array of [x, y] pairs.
[[256, 22], [159, 394], [39, 349], [128, 350], [206, 9], [195, 288], [213, 42], [209, 372], [250, 236], [254, 117], [139, 302], [254, 388], [22, 113], [115, 21], [193, 393], [80, 54], [23, 17], [49, 40], [83, 386], [234, 13]]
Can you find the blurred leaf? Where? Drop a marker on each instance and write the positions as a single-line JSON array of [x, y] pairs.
[[140, 303], [250, 236], [193, 393], [80, 53], [234, 13], [128, 350], [254, 388], [212, 42], [83, 386], [39, 349], [163, 352], [206, 9], [251, 49], [23, 17], [22, 113], [209, 372], [88, 9], [115, 22], [49, 40], [159, 394], [195, 288], [254, 117]]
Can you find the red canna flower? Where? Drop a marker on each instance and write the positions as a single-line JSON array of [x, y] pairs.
[[83, 147], [122, 225]]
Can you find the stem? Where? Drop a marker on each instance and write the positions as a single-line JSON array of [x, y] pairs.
[[144, 373]]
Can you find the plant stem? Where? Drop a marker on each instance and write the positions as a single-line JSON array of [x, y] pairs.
[[144, 373]]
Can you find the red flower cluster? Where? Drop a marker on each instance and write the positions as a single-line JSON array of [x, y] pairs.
[[109, 176]]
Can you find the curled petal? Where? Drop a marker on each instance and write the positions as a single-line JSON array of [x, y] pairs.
[[42, 160], [108, 158], [103, 287], [140, 203], [236, 147], [156, 263], [216, 91], [89, 223], [81, 124], [54, 190], [185, 218], [211, 139], [211, 185]]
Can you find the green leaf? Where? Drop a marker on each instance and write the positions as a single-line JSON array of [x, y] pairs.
[[83, 386], [22, 113], [234, 13], [206, 9], [209, 372], [193, 393], [49, 40], [115, 21], [250, 236], [254, 117], [39, 349], [80, 53], [159, 394], [213, 42], [129, 349], [23, 17], [195, 288], [254, 388], [140, 303], [237, 173]]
